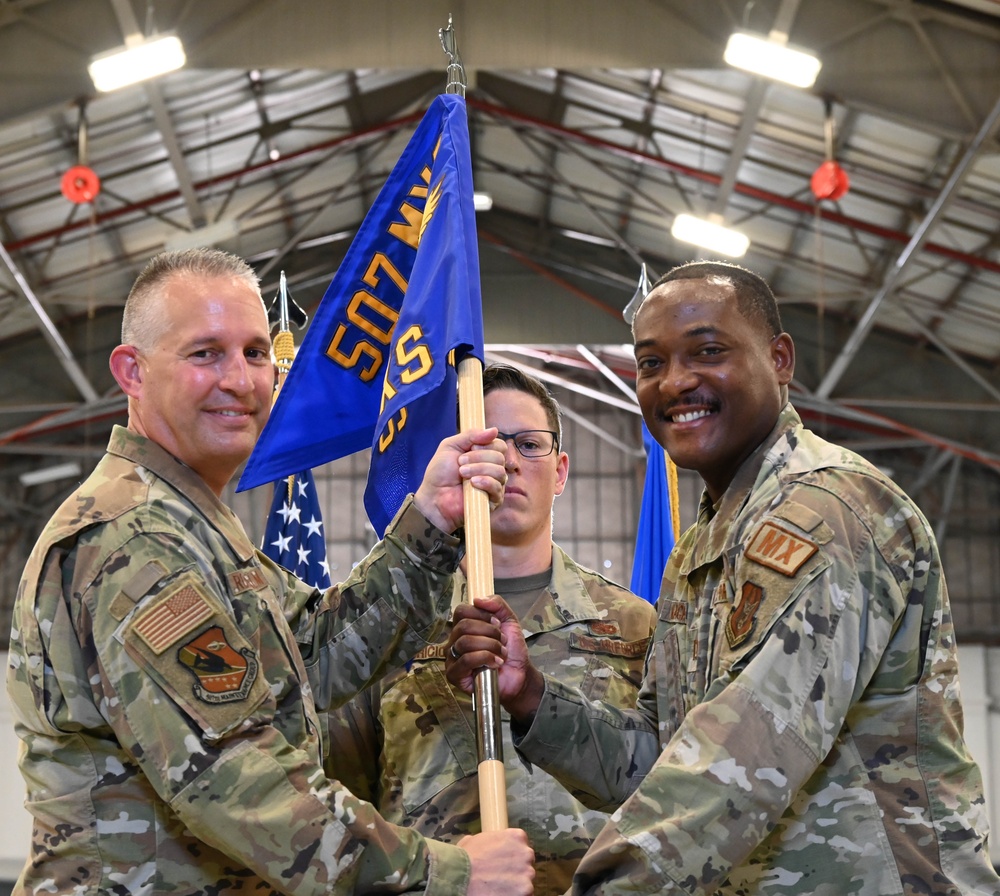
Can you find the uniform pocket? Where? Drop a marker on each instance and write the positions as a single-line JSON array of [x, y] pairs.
[[430, 741], [666, 671]]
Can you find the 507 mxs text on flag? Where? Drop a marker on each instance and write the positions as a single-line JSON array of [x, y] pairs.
[[378, 364]]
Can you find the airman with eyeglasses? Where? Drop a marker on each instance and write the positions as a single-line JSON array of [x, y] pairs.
[[403, 746], [532, 442]]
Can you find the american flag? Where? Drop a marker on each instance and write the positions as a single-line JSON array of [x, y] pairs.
[[294, 533]]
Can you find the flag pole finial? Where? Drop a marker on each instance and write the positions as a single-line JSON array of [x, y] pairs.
[[641, 291], [457, 81], [284, 310], [282, 302]]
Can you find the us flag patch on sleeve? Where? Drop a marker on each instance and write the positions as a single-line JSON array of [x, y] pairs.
[[172, 617]]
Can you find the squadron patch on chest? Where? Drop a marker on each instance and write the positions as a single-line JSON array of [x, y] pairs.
[[172, 617], [743, 615], [223, 674], [780, 550]]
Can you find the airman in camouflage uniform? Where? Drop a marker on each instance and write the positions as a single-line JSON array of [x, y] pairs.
[[164, 675], [408, 743], [799, 728]]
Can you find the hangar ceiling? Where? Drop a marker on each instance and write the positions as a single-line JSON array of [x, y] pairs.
[[593, 125]]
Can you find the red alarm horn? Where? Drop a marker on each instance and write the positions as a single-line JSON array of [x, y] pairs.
[[829, 181], [80, 184]]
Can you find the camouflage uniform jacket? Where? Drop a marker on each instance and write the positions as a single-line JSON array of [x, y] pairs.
[[799, 729], [408, 743], [162, 674]]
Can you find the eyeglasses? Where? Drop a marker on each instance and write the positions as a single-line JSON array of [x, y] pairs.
[[532, 442]]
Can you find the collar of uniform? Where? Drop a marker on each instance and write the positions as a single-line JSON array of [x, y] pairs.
[[715, 521], [146, 453], [568, 598], [569, 592]]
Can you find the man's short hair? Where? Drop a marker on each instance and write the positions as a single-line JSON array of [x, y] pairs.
[[504, 376], [140, 320], [753, 295]]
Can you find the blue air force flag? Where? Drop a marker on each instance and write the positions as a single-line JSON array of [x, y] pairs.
[[378, 364], [294, 536], [655, 534]]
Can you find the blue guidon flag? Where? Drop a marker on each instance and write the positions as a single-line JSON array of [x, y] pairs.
[[378, 365], [657, 527]]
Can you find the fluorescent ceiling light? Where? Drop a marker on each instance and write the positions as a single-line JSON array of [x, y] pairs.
[[138, 60], [710, 235], [50, 474], [591, 238], [482, 202], [772, 58]]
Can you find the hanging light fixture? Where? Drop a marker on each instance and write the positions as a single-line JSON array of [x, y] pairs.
[[50, 474], [772, 57], [141, 58], [710, 234]]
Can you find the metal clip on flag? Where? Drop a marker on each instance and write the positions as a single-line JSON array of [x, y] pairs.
[[472, 415]]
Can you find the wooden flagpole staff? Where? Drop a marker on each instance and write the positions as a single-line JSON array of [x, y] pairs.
[[479, 550], [479, 574]]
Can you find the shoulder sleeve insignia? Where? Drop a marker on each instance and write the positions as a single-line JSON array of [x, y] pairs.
[[172, 617], [743, 615], [223, 674], [779, 549]]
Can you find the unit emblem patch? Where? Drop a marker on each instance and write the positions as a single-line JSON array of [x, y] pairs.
[[743, 616], [223, 674]]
